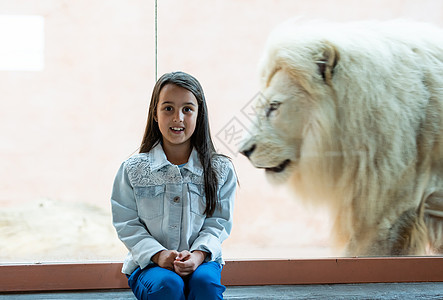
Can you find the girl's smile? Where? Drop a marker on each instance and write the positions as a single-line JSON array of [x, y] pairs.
[[177, 130]]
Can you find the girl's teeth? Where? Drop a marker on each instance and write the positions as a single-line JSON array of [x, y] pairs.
[[176, 129]]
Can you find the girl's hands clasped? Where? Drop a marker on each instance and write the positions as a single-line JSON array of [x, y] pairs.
[[183, 263], [186, 262]]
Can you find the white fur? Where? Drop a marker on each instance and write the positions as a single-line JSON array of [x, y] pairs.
[[366, 140]]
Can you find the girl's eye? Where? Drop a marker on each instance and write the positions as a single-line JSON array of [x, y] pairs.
[[168, 108], [187, 109], [273, 106]]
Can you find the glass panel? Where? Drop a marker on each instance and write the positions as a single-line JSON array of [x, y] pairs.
[[72, 113]]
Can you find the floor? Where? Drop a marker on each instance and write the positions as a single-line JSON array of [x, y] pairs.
[[428, 290]]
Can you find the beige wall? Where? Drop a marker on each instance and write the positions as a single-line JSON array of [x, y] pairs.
[[65, 130]]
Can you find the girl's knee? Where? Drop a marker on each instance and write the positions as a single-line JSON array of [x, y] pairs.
[[205, 283], [159, 283], [172, 282]]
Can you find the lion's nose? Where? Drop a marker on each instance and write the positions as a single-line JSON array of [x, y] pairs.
[[249, 151]]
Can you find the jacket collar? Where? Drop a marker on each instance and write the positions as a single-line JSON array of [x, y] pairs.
[[159, 160], [194, 165]]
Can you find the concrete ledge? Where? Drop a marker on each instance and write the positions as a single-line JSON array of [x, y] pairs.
[[337, 291]]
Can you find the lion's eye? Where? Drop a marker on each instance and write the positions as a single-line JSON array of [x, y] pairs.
[[272, 107]]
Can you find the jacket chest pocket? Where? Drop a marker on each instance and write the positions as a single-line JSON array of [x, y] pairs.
[[197, 199], [150, 201]]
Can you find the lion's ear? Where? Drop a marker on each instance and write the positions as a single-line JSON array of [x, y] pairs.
[[328, 61]]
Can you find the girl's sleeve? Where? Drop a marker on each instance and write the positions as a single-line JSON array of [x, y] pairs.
[[130, 230], [218, 227]]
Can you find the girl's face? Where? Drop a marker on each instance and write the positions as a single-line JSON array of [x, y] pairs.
[[176, 115]]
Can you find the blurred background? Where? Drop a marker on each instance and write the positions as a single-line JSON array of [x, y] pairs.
[[75, 84]]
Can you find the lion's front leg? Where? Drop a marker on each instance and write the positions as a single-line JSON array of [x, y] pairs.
[[434, 220], [406, 236]]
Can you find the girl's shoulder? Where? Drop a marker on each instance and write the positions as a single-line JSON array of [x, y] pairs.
[[222, 165], [138, 168]]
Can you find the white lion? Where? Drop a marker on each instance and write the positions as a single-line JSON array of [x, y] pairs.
[[351, 114]]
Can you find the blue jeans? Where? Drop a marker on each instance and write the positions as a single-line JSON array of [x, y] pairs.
[[154, 282]]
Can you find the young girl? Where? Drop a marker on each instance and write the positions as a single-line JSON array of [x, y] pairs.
[[172, 203]]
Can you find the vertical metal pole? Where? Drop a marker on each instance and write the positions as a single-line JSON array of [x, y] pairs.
[[155, 54]]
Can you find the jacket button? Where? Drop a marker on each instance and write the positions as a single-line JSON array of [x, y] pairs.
[[176, 199]]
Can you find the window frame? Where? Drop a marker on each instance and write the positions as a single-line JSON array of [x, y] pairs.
[[107, 275]]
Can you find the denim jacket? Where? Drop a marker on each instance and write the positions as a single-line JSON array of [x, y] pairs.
[[158, 206]]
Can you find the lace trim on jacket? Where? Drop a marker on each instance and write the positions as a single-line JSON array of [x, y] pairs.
[[140, 173]]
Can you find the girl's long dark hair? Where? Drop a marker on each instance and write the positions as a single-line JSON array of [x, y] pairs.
[[200, 139]]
